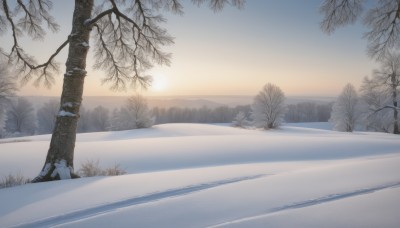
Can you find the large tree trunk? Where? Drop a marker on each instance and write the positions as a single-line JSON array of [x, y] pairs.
[[59, 160]]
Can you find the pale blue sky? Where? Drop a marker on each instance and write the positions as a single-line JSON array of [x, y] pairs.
[[235, 52]]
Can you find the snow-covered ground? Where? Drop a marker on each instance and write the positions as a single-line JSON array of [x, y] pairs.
[[197, 175]]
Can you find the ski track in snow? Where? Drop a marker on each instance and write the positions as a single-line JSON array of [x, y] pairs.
[[311, 202], [110, 207]]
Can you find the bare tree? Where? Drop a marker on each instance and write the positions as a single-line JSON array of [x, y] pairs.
[[127, 38], [46, 117], [7, 90], [135, 114], [381, 92], [7, 84], [21, 118], [345, 111], [373, 97], [371, 100], [268, 107], [382, 20]]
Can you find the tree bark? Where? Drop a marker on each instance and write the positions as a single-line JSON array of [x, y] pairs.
[[59, 160]]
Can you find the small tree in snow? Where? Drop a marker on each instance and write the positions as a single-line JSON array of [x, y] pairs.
[[240, 120], [135, 114], [268, 108], [21, 118], [345, 112]]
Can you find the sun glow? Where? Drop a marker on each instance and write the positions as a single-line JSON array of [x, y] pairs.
[[160, 83]]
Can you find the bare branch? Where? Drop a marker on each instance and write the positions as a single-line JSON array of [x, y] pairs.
[[33, 15], [218, 5], [49, 61], [338, 13], [384, 24], [385, 107], [128, 43]]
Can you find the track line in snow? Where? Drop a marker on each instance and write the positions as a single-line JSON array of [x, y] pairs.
[[110, 207], [312, 202]]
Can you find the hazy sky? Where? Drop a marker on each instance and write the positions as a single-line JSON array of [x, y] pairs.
[[236, 52]]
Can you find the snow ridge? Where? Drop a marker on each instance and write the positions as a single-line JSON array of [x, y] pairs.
[[312, 202], [106, 208]]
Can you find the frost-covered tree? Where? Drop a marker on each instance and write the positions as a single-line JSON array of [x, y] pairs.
[[371, 100], [382, 21], [345, 111], [46, 117], [21, 119], [99, 119], [127, 38], [381, 92], [7, 90], [240, 120], [135, 114], [268, 107], [7, 84]]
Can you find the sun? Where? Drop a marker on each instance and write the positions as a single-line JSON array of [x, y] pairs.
[[160, 83]]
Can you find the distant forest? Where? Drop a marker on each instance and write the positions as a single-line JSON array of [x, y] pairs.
[[300, 112], [22, 117]]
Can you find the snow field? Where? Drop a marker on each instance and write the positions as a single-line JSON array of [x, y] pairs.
[[192, 175]]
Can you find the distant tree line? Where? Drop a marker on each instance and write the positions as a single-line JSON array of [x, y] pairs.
[[21, 118], [375, 109], [308, 112], [222, 114]]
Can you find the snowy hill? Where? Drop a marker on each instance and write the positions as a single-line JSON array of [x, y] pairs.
[[193, 175]]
